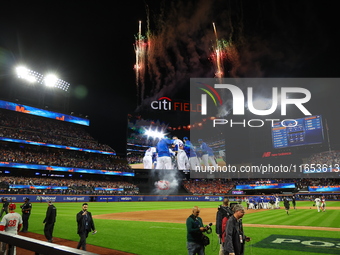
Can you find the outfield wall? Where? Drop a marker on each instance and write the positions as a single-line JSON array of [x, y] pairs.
[[121, 198], [126, 198]]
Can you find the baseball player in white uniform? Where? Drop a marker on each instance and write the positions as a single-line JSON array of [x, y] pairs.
[[147, 159], [317, 203], [277, 202], [11, 223], [182, 159]]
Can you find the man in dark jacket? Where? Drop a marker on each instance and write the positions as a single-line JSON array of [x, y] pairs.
[[4, 209], [195, 231], [26, 209], [85, 225], [49, 221], [294, 202], [235, 238], [286, 204], [223, 213]]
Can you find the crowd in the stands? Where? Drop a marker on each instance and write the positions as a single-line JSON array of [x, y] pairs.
[[74, 186], [222, 186], [325, 159], [64, 158], [208, 186], [28, 127]]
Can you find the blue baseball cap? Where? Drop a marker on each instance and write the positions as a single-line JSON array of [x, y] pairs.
[[185, 138], [200, 140]]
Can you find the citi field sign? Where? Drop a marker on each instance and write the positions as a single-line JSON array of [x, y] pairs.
[[167, 104]]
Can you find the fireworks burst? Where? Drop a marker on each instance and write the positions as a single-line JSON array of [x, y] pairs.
[[218, 55], [180, 46], [140, 50]]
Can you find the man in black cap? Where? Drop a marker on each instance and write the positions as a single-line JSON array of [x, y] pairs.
[[49, 221], [26, 212]]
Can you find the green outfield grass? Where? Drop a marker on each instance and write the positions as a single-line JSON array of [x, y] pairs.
[[154, 238]]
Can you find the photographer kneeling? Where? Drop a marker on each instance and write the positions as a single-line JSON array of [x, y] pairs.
[[195, 229]]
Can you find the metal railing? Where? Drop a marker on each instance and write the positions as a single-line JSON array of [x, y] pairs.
[[40, 247]]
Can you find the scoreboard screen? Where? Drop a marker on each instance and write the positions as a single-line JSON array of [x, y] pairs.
[[334, 188], [43, 113], [266, 186], [298, 132]]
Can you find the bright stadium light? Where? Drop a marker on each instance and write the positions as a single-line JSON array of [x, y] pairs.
[[22, 71], [50, 80], [34, 77], [153, 134], [28, 75]]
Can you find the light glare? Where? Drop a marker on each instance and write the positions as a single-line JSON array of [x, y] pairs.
[[51, 80]]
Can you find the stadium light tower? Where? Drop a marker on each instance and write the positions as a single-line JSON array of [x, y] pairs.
[[45, 88], [49, 80], [28, 75]]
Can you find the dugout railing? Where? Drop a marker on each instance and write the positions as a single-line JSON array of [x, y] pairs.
[[40, 247]]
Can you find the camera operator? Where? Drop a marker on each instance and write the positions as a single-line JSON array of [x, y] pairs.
[[235, 238], [195, 229]]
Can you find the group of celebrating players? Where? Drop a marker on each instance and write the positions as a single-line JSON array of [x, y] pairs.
[[176, 154]]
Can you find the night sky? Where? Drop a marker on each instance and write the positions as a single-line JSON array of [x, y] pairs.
[[91, 45]]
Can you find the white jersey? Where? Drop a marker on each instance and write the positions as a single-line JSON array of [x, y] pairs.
[[317, 201], [11, 221], [178, 145], [150, 151]]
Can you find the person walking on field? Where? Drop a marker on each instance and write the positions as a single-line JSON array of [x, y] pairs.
[[223, 214], [195, 229], [49, 221], [85, 225], [323, 203], [317, 203], [294, 202], [235, 237], [286, 205]]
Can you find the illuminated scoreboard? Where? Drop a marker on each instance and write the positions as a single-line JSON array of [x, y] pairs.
[[298, 132]]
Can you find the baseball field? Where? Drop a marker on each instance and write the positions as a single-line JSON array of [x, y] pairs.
[[154, 228]]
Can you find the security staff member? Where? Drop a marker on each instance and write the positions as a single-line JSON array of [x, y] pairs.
[[49, 221], [26, 209], [4, 209]]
